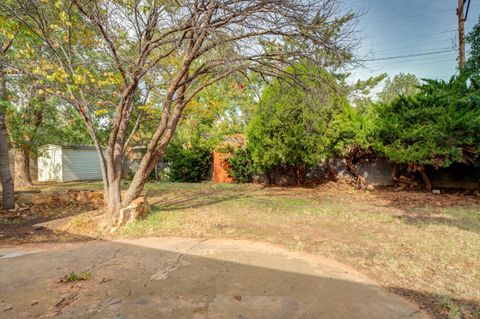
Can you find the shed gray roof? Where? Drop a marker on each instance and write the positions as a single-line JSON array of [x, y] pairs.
[[74, 147]]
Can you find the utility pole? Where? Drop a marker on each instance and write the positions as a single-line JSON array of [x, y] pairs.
[[461, 34]]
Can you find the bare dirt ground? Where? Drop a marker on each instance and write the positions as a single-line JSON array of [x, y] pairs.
[[422, 246]]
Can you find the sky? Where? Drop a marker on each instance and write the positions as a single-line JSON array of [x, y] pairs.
[[392, 28]]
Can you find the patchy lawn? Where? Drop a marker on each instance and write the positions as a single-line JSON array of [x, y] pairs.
[[422, 246]]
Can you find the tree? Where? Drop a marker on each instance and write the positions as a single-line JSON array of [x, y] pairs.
[[222, 109], [438, 126], [102, 55], [473, 39], [402, 84], [350, 136], [289, 127], [241, 166], [7, 36], [361, 93], [350, 133], [188, 163]]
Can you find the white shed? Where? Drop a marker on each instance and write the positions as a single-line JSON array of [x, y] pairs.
[[68, 163]]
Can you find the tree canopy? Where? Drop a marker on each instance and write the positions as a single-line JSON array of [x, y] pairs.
[[117, 61], [402, 84]]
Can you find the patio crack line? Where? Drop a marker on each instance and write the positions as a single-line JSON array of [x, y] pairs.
[[103, 262], [163, 274]]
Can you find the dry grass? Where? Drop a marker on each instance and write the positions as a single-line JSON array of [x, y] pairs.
[[423, 246]]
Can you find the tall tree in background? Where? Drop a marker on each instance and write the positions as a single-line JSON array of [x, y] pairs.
[[361, 94], [402, 84], [473, 39], [104, 54]]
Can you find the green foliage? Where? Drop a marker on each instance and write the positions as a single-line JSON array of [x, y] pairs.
[[438, 126], [188, 163], [402, 84], [74, 277], [289, 126], [241, 166], [473, 63], [360, 94], [350, 130], [221, 109]]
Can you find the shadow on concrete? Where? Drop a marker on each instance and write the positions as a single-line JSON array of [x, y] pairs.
[[178, 278], [175, 280]]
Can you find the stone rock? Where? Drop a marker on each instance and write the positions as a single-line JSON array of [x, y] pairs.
[[137, 210], [436, 191]]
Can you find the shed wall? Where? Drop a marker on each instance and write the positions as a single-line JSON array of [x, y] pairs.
[[50, 164], [80, 164]]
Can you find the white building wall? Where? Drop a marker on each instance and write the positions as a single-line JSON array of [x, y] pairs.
[[80, 164], [50, 164]]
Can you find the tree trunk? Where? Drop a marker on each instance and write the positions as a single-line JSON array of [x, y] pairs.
[[114, 201], [22, 168], [395, 172], [425, 178], [5, 173], [300, 175], [152, 157]]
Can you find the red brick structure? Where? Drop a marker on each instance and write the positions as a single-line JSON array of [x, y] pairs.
[[220, 168]]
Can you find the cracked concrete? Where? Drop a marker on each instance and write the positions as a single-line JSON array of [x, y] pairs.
[[187, 278]]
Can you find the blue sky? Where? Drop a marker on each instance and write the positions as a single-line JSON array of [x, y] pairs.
[[391, 28]]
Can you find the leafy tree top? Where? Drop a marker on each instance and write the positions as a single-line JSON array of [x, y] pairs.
[[438, 126], [402, 84]]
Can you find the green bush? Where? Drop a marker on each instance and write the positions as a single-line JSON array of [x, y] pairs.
[[438, 126], [241, 166], [188, 164], [289, 127]]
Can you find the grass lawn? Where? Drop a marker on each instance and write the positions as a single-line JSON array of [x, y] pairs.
[[422, 246]]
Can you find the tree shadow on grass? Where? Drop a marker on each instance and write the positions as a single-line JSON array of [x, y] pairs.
[[441, 306], [27, 226], [419, 208], [184, 200]]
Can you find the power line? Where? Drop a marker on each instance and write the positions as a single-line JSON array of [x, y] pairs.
[[418, 37], [408, 48], [468, 8], [409, 16], [417, 65], [415, 15], [419, 62], [407, 56]]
